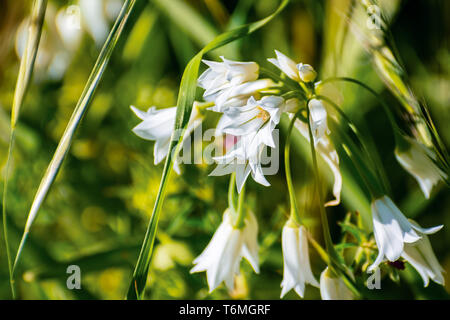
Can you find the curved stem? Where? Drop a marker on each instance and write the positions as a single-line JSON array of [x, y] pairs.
[[391, 118], [294, 213], [354, 150]]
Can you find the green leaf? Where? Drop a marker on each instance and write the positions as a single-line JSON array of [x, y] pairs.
[[186, 98], [23, 81], [75, 120]]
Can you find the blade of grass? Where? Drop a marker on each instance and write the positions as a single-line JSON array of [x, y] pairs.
[[23, 81], [186, 98], [77, 115]]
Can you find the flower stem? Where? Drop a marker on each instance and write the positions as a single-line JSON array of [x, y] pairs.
[[396, 129], [239, 221], [323, 215], [231, 192], [294, 213]]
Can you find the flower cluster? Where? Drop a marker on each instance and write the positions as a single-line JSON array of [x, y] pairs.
[[251, 108]]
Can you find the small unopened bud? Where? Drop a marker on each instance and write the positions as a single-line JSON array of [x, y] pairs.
[[306, 72]]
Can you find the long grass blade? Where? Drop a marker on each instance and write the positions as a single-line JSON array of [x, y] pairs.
[[23, 81], [186, 98], [77, 115]]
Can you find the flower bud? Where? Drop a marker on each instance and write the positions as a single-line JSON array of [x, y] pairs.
[[306, 72]]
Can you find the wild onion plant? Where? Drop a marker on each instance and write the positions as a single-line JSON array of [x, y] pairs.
[[248, 105]]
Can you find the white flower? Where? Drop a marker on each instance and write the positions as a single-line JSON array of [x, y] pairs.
[[418, 161], [224, 99], [228, 79], [297, 270], [68, 27], [332, 288], [421, 256], [259, 116], [253, 124], [243, 160], [157, 125], [306, 72], [286, 65], [318, 119], [392, 230], [327, 151], [222, 75], [94, 20], [222, 257]]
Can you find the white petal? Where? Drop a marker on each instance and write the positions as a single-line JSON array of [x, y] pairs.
[[286, 65]]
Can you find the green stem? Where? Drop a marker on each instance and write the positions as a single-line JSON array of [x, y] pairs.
[[239, 221], [23, 80], [355, 153], [5, 222], [75, 120], [294, 213], [396, 129], [231, 192], [326, 230]]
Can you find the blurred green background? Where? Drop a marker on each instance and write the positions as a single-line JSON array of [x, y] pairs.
[[97, 211]]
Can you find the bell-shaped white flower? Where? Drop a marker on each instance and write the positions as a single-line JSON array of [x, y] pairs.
[[158, 124], [253, 124], [318, 119], [260, 116], [392, 230], [221, 258], [222, 75], [286, 65], [418, 161], [226, 98], [306, 72], [228, 79], [94, 20], [297, 270], [244, 159], [333, 288], [328, 153], [421, 256], [68, 26]]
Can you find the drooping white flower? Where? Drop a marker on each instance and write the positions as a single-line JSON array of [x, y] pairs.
[[222, 75], [228, 79], [297, 270], [421, 256], [306, 72], [333, 288], [223, 99], [318, 119], [243, 160], [68, 26], [94, 20], [328, 153], [392, 230], [221, 258], [286, 65], [418, 161], [157, 125], [253, 124], [260, 116]]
